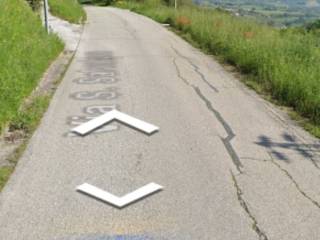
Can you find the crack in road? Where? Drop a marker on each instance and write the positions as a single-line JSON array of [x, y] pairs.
[[292, 142], [236, 160], [244, 205], [196, 69], [314, 162], [230, 134], [313, 156], [179, 73], [253, 159], [291, 178]]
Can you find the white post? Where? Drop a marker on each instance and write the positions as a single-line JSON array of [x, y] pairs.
[[46, 23], [175, 4]]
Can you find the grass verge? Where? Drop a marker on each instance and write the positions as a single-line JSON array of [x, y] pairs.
[[29, 116], [70, 10], [26, 52], [27, 120], [281, 63], [5, 172]]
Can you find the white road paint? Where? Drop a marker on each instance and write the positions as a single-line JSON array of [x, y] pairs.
[[115, 115], [119, 202]]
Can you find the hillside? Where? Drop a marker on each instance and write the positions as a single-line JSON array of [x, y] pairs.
[[275, 12]]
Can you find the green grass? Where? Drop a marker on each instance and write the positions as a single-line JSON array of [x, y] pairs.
[[27, 120], [70, 10], [284, 63], [29, 116], [5, 172], [26, 52]]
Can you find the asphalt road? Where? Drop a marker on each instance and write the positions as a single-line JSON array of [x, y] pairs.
[[233, 167]]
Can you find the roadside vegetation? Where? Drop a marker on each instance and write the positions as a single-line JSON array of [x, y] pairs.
[[4, 175], [97, 2], [26, 52], [26, 121], [22, 126], [70, 10], [282, 63], [275, 12]]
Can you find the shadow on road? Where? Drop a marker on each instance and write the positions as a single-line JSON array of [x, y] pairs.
[[279, 149]]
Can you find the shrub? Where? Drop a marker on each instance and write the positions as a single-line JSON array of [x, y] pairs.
[[182, 22]]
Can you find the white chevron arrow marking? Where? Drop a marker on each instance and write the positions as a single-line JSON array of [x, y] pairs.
[[119, 201], [114, 115]]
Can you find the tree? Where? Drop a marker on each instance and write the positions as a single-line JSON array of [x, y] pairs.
[[314, 26]]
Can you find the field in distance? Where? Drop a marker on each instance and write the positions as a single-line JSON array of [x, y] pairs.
[[275, 12]]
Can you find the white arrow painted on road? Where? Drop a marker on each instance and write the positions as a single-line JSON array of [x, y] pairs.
[[119, 201], [115, 115]]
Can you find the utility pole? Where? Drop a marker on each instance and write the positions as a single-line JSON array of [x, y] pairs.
[[46, 23]]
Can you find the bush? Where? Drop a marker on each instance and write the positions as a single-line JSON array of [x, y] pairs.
[[97, 2], [103, 2], [313, 26]]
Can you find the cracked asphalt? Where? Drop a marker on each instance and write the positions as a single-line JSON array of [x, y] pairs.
[[233, 166]]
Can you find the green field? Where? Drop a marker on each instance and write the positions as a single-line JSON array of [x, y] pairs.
[[284, 63], [26, 52]]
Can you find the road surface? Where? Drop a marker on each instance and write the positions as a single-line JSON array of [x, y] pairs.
[[233, 167]]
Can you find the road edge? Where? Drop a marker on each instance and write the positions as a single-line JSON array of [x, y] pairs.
[[16, 137]]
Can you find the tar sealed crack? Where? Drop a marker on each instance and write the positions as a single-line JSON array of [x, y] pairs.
[[244, 205], [179, 73], [314, 162], [196, 69], [230, 134]]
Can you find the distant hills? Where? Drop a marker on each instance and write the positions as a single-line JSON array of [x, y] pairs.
[[275, 12]]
